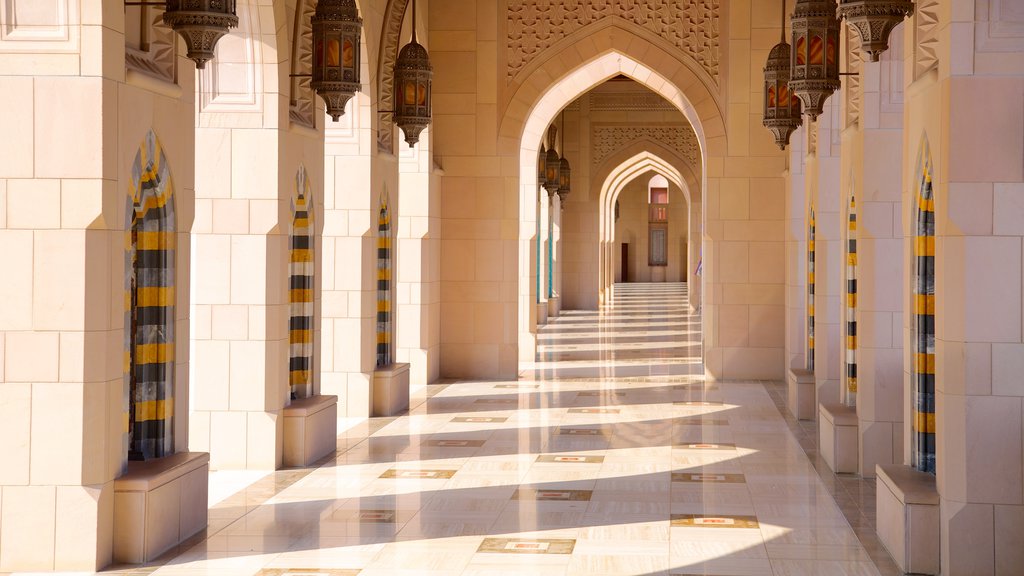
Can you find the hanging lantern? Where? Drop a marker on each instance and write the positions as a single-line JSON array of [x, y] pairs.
[[201, 24], [781, 107], [874, 20], [337, 30], [552, 164], [542, 158], [814, 58], [413, 85], [564, 178]]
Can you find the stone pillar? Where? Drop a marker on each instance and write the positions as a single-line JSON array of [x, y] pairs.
[[963, 104], [543, 237], [796, 253], [74, 122], [418, 294], [829, 292], [875, 164]]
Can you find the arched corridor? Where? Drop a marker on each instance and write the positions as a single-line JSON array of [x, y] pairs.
[[361, 285], [612, 455]]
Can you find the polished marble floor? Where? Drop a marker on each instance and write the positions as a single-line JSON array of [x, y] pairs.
[[610, 456]]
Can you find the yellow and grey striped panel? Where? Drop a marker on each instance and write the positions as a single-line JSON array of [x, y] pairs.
[[301, 267], [385, 313], [150, 243], [923, 323], [850, 398], [810, 291]]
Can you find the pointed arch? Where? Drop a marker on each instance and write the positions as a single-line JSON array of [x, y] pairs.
[[150, 246], [850, 394], [385, 273], [301, 269], [810, 288], [922, 323]]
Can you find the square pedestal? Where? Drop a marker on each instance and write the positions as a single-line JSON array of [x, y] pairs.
[[542, 313], [159, 504], [310, 429], [837, 437], [554, 306], [800, 393], [907, 503], [391, 390]]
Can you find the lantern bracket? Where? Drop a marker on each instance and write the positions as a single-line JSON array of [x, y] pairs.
[[164, 4], [300, 75]]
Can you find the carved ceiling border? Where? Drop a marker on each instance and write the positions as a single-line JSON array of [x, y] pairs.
[[302, 99], [391, 34]]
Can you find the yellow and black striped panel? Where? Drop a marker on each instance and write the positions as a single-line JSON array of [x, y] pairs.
[[923, 320], [810, 291], [301, 266], [385, 312], [150, 243], [850, 398]]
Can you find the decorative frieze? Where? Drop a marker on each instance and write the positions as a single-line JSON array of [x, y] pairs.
[[607, 140], [533, 26], [926, 36], [302, 108], [157, 56]]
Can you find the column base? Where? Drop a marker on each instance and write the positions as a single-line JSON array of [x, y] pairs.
[[554, 306], [310, 429], [391, 390], [159, 504], [837, 437], [542, 313], [800, 393], [907, 503]]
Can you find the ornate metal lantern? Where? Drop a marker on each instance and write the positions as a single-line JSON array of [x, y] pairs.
[[414, 78], [564, 170], [552, 164], [201, 24], [781, 107], [814, 58], [542, 159], [337, 30], [874, 20], [564, 178]]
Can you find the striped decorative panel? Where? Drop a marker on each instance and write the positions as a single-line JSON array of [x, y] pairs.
[[150, 244], [301, 290], [923, 321], [850, 396], [384, 274], [810, 291]]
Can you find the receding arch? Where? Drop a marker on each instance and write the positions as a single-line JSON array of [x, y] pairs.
[[614, 181], [570, 71]]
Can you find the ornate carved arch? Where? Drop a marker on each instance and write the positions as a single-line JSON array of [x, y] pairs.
[[390, 36], [302, 99]]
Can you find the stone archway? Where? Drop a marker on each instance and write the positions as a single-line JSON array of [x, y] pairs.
[[577, 68]]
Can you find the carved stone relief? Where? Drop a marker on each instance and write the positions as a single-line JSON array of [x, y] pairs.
[[606, 140], [999, 26], [630, 101], [533, 26], [232, 80], [852, 83], [302, 109], [155, 52], [394, 15], [39, 25], [926, 36]]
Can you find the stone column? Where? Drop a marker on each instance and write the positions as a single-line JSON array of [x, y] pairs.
[[876, 168], [829, 292]]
